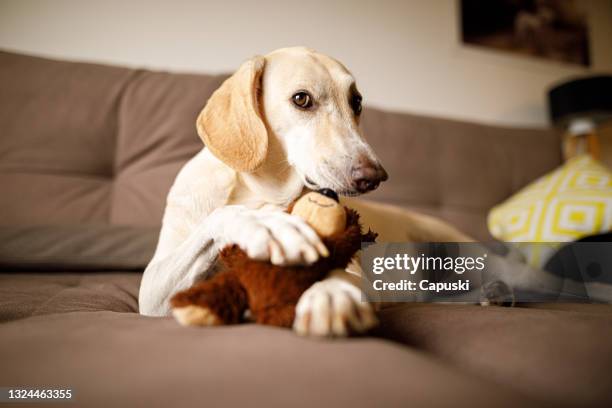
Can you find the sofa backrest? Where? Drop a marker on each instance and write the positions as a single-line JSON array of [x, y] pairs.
[[87, 143], [456, 170]]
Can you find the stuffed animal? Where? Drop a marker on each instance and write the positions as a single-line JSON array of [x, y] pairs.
[[268, 291]]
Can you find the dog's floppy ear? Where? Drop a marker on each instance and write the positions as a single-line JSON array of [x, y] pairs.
[[230, 124]]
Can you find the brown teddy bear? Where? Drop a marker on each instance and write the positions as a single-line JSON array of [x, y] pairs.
[[269, 291]]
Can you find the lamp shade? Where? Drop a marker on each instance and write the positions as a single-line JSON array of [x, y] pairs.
[[588, 97]]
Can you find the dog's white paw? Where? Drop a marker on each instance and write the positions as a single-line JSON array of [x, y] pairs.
[[333, 308], [281, 238], [195, 316]]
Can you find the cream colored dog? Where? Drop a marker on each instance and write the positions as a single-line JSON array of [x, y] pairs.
[[281, 124]]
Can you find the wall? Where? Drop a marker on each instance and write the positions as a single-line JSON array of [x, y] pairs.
[[405, 54]]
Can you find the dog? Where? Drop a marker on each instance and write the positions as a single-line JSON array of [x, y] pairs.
[[282, 124]]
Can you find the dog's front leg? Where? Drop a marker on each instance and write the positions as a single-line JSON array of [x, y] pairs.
[[179, 268], [334, 307], [272, 235]]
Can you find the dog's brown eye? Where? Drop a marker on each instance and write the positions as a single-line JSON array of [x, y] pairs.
[[356, 103], [302, 100]]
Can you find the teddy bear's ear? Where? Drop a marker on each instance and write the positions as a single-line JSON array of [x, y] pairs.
[[231, 125]]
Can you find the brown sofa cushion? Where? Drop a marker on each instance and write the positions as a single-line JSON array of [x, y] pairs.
[[126, 360], [87, 143], [456, 170], [58, 121], [155, 137], [425, 355], [28, 294], [76, 247]]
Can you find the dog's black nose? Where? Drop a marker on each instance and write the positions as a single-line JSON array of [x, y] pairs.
[[367, 176], [328, 192]]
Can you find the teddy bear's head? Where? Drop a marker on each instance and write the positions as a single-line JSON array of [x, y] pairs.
[[322, 211]]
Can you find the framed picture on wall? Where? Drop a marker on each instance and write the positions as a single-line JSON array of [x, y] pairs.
[[551, 29]]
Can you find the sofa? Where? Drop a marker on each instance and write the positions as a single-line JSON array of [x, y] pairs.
[[87, 155]]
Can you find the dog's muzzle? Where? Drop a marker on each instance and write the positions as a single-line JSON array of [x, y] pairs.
[[367, 175]]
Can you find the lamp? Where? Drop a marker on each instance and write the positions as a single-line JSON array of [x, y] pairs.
[[578, 106]]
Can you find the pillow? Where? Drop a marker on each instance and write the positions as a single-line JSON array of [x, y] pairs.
[[571, 202], [76, 247]]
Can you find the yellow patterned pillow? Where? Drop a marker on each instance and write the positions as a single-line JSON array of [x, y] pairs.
[[571, 202]]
